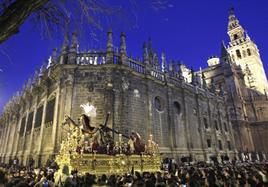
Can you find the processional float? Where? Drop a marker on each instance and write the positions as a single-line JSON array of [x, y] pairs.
[[93, 149]]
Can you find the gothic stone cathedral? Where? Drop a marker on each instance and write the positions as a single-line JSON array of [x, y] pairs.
[[218, 111]]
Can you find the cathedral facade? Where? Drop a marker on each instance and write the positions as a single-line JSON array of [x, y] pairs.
[[190, 114]]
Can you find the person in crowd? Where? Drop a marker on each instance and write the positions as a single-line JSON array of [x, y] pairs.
[[227, 174]]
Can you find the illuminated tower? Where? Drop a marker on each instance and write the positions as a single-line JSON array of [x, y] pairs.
[[245, 53]]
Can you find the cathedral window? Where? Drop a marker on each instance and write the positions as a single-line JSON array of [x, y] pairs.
[[50, 111], [177, 108], [249, 52], [220, 145], [208, 143], [158, 103], [205, 123], [38, 118], [29, 122], [238, 54], [22, 125], [216, 125]]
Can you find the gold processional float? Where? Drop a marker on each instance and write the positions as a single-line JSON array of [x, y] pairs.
[[93, 150]]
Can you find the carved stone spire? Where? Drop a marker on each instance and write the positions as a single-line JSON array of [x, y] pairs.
[[193, 77], [212, 86], [164, 62], [155, 61], [145, 54], [179, 70], [73, 50], [42, 69], [74, 44], [54, 57], [123, 51], [110, 41], [109, 53], [64, 49], [172, 67], [225, 56], [36, 76], [65, 44]]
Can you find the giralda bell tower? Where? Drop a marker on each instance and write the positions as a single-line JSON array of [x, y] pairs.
[[245, 53]]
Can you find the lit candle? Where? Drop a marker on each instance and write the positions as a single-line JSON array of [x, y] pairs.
[[120, 138], [151, 137]]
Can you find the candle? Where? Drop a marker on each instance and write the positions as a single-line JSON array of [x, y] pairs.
[[120, 138], [151, 137]]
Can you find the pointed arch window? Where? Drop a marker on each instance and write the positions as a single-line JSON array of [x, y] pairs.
[[29, 122], [177, 108], [50, 110], [235, 36], [205, 123], [38, 118], [159, 104], [238, 54], [249, 52], [22, 126]]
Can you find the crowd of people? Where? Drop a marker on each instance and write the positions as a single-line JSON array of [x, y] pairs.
[[229, 174]]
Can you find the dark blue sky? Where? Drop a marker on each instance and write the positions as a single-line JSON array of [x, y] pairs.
[[190, 31]]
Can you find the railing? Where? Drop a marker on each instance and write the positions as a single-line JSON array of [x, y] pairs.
[[158, 75], [100, 58], [92, 58], [135, 65]]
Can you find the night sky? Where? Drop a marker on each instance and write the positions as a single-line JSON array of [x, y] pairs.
[[188, 30]]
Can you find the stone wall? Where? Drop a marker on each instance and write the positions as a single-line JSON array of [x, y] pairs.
[[172, 110]]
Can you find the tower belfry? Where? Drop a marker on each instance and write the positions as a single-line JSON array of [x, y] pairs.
[[244, 52]]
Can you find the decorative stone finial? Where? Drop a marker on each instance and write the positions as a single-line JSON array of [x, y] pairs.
[[164, 62], [123, 52], [74, 41], [109, 52], [145, 54], [110, 41]]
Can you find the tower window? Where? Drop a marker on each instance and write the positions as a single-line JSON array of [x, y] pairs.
[[208, 142], [249, 52], [205, 123], [235, 36], [220, 145], [238, 54]]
